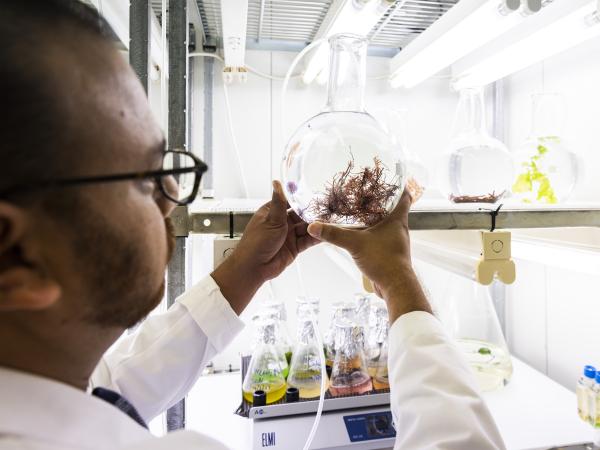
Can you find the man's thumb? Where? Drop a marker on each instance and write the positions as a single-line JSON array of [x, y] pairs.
[[330, 233]]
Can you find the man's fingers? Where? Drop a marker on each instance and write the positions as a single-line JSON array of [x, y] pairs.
[[333, 234], [402, 208], [278, 208]]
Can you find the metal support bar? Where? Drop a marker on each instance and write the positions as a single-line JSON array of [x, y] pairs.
[[218, 222], [207, 180], [139, 39], [178, 34]]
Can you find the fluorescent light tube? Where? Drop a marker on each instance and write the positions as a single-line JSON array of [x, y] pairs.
[[465, 27], [561, 25], [344, 16]]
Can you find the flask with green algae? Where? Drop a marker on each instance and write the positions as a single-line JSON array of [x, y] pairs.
[[265, 371]]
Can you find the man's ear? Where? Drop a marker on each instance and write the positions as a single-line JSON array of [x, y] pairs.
[[23, 284]]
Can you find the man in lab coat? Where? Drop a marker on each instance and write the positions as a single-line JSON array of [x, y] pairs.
[[83, 255]]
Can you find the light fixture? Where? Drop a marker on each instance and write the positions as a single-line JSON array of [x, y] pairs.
[[344, 16], [466, 26], [560, 26]]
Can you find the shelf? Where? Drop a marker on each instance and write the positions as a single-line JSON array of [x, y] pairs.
[[214, 217]]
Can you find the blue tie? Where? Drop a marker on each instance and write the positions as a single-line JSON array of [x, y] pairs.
[[116, 399]]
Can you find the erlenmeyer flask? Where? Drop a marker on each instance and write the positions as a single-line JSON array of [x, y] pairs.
[[349, 374], [470, 318], [264, 371], [476, 168], [381, 379], [393, 122], [376, 337], [305, 370], [341, 166], [547, 170], [282, 334], [345, 310]]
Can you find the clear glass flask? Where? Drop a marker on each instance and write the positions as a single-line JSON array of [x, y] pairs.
[[349, 374], [340, 166], [475, 168], [339, 310], [468, 313], [305, 370], [381, 379], [283, 337], [547, 170], [265, 372], [377, 338], [394, 122]]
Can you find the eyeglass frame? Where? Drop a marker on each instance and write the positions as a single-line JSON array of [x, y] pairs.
[[199, 168]]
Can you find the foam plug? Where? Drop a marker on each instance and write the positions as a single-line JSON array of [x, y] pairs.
[[495, 259]]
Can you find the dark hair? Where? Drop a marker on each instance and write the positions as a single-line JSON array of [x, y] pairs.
[[32, 117]]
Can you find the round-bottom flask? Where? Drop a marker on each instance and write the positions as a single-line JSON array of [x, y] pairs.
[[340, 166], [547, 170], [476, 168]]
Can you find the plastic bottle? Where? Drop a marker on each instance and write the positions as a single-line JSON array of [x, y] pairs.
[[594, 402], [584, 391]]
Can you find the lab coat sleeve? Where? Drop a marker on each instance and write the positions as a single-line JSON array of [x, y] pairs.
[[157, 365], [434, 398]]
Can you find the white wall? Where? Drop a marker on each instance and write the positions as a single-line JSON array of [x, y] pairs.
[[553, 314]]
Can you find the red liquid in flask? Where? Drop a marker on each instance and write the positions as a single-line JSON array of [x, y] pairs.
[[353, 383]]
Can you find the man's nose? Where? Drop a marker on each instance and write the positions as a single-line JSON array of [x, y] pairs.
[[172, 188]]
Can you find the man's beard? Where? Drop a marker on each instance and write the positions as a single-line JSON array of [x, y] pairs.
[[124, 295]]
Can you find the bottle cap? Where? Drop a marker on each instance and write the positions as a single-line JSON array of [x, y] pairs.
[[597, 377], [259, 398], [589, 371], [292, 394]]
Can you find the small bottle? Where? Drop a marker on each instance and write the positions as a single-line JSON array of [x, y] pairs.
[[583, 390], [594, 402]]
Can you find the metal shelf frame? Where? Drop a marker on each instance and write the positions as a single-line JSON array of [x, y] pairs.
[[445, 219]]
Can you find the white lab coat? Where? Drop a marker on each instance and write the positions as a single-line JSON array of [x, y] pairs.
[[434, 401]]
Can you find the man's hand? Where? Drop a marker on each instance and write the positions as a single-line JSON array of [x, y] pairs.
[[271, 242], [382, 253]]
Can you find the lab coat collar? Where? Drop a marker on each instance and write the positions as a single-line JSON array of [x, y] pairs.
[[39, 408]]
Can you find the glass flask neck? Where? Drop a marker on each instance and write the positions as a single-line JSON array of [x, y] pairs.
[[547, 115], [470, 114], [267, 333], [306, 331], [347, 69]]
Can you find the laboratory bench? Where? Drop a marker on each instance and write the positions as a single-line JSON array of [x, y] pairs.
[[532, 411]]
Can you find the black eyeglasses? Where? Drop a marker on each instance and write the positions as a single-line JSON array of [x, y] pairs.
[[185, 167]]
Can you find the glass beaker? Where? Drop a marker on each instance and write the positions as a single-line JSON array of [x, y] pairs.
[[376, 337], [547, 170], [349, 374], [394, 122], [264, 371], [468, 313], [340, 310], [340, 166], [475, 168], [305, 370]]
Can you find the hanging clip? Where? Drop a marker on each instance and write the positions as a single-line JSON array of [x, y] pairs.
[[495, 255]]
